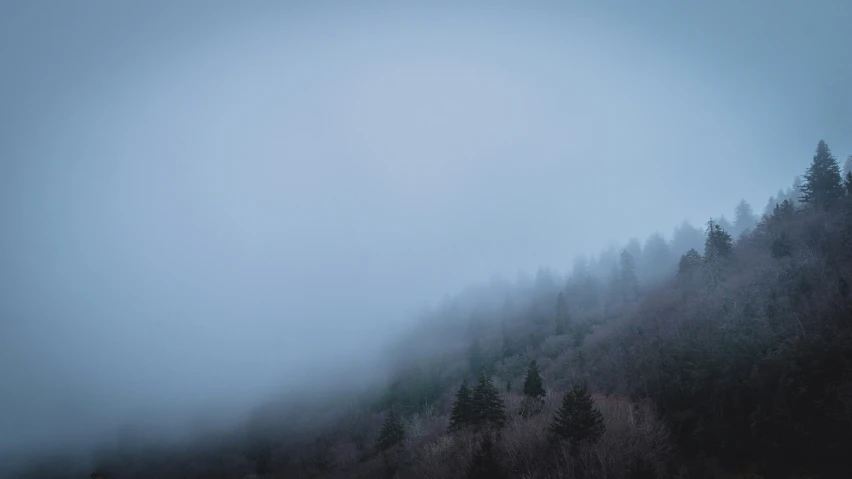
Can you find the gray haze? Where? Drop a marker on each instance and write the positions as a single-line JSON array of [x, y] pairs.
[[202, 204]]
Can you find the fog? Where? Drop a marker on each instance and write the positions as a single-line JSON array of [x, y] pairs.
[[204, 205]]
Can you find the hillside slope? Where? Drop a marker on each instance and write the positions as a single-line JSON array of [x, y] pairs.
[[733, 360]]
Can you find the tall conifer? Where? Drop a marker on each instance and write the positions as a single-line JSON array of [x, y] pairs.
[[462, 413], [488, 407], [578, 419], [823, 185], [392, 432], [533, 387]]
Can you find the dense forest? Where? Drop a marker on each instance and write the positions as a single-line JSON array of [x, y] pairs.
[[725, 352]]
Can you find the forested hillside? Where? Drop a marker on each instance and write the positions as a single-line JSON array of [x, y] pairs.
[[722, 353]]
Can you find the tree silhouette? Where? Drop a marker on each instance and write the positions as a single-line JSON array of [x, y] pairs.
[[718, 249], [689, 262], [462, 413], [488, 408], [718, 244], [533, 387], [823, 185], [578, 420], [392, 432]]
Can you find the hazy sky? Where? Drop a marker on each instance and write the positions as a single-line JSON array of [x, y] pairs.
[[198, 201]]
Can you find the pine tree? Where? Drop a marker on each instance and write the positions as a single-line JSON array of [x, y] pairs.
[[847, 183], [770, 205], [783, 211], [533, 387], [717, 252], [689, 262], [392, 432], [718, 244], [487, 404], [823, 184], [533, 391], [462, 413], [780, 245], [485, 463], [578, 420]]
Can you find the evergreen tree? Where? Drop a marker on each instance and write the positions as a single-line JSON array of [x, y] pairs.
[[629, 283], [780, 245], [847, 183], [689, 262], [717, 252], [718, 244], [485, 463], [533, 387], [392, 432], [487, 404], [462, 413], [578, 420], [783, 211], [823, 184], [744, 219], [770, 206]]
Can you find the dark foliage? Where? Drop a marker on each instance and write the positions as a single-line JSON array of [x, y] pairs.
[[533, 386], [462, 413], [486, 462], [689, 262], [823, 185], [743, 361], [578, 420], [392, 432], [488, 408], [259, 452]]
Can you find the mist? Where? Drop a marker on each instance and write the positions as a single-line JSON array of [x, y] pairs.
[[205, 205]]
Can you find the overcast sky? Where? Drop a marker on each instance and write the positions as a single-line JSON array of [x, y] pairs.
[[199, 199]]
